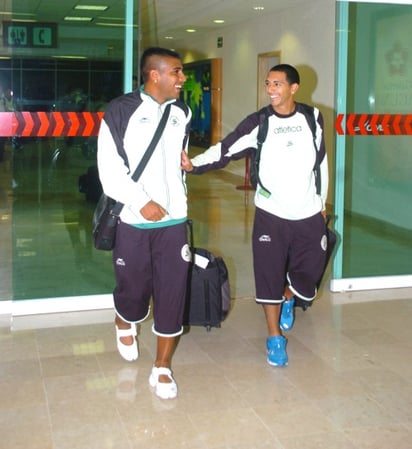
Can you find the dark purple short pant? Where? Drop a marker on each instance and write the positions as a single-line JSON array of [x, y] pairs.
[[287, 252], [151, 263]]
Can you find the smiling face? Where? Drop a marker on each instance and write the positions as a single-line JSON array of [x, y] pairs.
[[166, 80], [281, 92]]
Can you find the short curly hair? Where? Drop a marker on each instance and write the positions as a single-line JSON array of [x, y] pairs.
[[292, 75]]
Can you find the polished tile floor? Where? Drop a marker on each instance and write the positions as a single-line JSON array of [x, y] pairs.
[[348, 384]]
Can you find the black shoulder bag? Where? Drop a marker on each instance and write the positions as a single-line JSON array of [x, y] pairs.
[[106, 214]]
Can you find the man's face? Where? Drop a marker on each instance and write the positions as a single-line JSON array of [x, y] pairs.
[[170, 78], [279, 90]]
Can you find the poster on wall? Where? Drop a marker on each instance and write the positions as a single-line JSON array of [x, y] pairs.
[[197, 95]]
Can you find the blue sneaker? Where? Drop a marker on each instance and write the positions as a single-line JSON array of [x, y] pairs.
[[276, 347], [287, 315]]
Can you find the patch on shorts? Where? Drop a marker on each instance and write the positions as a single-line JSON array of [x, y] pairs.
[[186, 253], [265, 238], [324, 242]]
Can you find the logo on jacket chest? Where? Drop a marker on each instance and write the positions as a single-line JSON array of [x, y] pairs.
[[174, 121]]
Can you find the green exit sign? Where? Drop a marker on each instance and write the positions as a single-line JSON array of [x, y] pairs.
[[29, 35]]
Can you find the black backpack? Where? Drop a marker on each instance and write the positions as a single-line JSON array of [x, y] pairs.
[[264, 113]]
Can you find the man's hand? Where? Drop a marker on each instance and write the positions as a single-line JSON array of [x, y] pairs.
[[186, 165], [153, 211]]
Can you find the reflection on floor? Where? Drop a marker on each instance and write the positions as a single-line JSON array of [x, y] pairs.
[[348, 384]]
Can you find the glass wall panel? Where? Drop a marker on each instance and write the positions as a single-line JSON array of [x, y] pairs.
[[373, 143], [49, 183]]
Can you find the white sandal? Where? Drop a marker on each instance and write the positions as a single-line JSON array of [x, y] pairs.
[[165, 390], [128, 352]]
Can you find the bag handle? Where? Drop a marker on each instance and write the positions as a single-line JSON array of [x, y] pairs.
[[191, 240]]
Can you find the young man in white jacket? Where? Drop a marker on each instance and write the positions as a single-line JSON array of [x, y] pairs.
[[151, 256], [289, 239]]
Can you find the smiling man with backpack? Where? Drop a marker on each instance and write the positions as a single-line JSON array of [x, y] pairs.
[[286, 142]]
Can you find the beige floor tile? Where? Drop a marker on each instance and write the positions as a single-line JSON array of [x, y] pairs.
[[237, 427], [18, 346], [171, 426], [105, 436], [21, 393], [69, 365], [67, 389], [20, 370], [356, 412], [386, 436], [26, 427], [295, 419], [335, 440], [83, 423]]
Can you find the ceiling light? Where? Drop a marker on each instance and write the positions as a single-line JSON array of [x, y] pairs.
[[113, 24], [9, 13], [111, 18], [78, 19], [219, 21], [92, 7], [26, 20], [169, 37], [258, 8], [69, 57], [191, 30]]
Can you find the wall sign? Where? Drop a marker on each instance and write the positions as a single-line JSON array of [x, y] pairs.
[[29, 35]]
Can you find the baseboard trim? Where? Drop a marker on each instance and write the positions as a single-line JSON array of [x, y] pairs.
[[56, 305]]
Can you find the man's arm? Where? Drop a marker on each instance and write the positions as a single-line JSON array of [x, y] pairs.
[[240, 143], [186, 163]]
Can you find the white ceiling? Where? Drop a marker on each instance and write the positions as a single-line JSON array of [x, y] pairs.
[[173, 16]]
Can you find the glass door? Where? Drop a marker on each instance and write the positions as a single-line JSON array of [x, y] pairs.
[[57, 77], [373, 146]]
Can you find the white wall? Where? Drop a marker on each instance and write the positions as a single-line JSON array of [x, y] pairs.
[[304, 35]]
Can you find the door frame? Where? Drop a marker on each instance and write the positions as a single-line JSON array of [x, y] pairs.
[[265, 62]]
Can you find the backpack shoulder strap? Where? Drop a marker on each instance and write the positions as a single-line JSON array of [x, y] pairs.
[[263, 125], [309, 113], [263, 115]]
